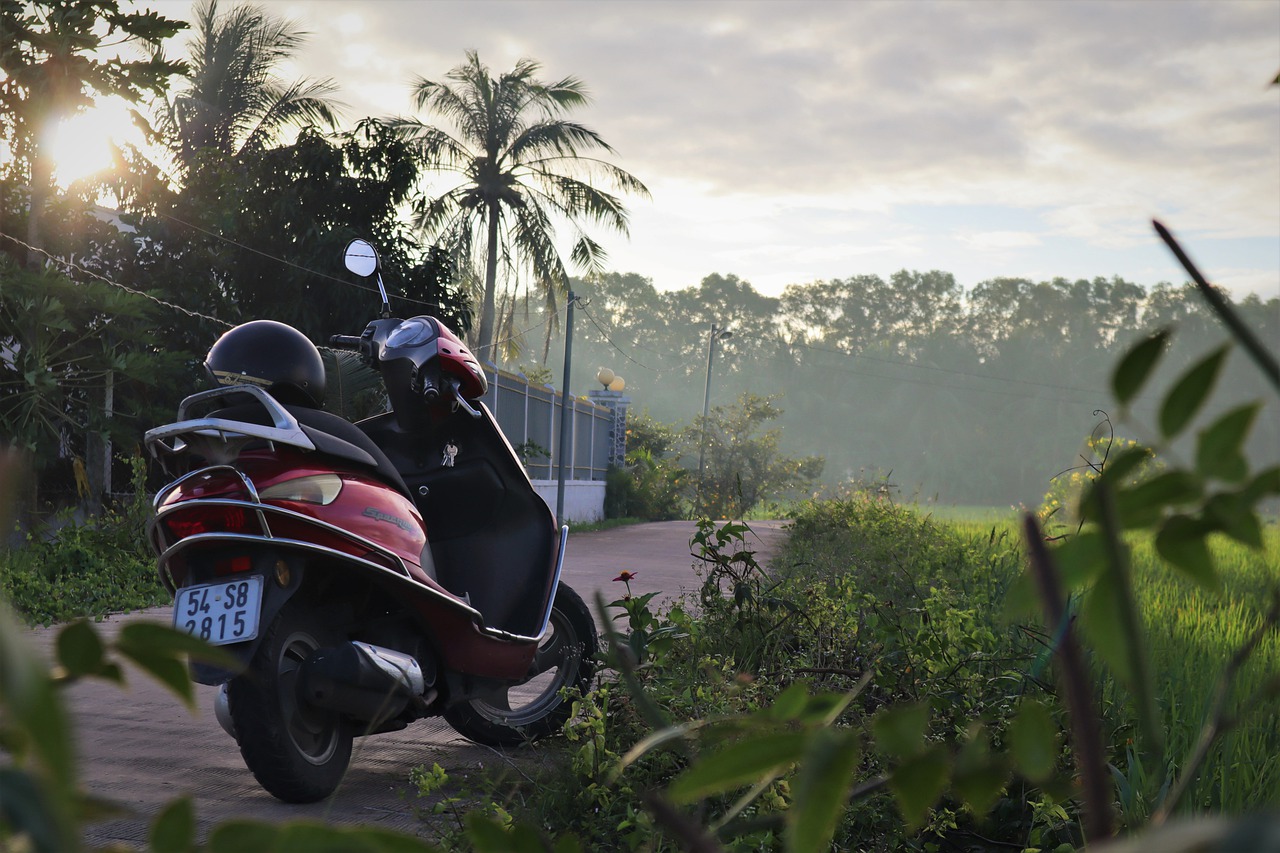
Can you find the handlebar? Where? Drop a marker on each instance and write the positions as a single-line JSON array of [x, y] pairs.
[[349, 342]]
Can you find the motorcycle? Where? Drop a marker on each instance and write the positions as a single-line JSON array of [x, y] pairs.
[[362, 576]]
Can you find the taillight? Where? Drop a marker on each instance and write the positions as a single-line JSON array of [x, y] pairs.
[[322, 489], [210, 519]]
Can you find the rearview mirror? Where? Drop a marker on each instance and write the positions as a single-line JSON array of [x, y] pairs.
[[361, 258]]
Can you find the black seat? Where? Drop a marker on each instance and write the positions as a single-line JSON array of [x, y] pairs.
[[332, 436]]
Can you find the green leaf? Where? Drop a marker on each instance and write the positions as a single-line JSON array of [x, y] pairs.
[[979, 776], [1233, 515], [174, 831], [161, 650], [1189, 393], [24, 811], [1184, 542], [743, 763], [821, 789], [1144, 504], [80, 649], [32, 706], [1032, 738], [1102, 618], [918, 782], [899, 731], [1079, 559], [790, 702], [1136, 366], [489, 836], [171, 642], [1220, 448], [1264, 484]]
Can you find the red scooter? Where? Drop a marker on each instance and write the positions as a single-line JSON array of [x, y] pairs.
[[367, 575]]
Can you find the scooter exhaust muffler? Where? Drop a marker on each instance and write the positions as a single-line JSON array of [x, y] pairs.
[[370, 683]]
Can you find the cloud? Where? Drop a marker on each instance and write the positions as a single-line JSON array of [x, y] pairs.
[[803, 129]]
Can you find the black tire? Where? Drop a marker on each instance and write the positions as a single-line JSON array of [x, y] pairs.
[[534, 708], [298, 753]]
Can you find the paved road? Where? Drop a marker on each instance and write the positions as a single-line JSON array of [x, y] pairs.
[[140, 748]]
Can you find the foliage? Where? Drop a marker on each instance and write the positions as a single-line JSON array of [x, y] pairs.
[[979, 402], [1060, 507], [70, 569], [743, 465], [63, 342], [652, 484], [232, 103], [52, 65], [521, 167], [353, 390]]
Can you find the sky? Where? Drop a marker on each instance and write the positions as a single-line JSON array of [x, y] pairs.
[[788, 142]]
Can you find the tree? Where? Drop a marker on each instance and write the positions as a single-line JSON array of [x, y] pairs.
[[522, 167], [744, 466], [51, 70], [234, 104]]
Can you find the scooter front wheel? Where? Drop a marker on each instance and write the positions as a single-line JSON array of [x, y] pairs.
[[297, 752], [566, 657]]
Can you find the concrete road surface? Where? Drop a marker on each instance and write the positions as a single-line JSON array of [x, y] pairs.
[[140, 748]]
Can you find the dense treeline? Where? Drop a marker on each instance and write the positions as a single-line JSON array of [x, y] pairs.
[[976, 395]]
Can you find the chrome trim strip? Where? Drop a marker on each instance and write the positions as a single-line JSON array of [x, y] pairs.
[[555, 582], [263, 510], [448, 599]]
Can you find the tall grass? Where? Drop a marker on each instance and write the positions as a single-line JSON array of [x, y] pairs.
[[1192, 633]]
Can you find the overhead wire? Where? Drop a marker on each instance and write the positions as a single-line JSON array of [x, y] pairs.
[[943, 369], [74, 266], [610, 340], [289, 263]]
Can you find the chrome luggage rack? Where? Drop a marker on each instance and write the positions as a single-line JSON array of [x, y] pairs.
[[220, 440]]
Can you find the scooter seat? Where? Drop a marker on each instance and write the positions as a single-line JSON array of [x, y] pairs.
[[332, 436]]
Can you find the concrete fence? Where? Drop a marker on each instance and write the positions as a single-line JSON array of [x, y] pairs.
[[530, 416]]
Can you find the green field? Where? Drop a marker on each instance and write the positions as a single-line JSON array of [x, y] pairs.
[[1192, 634]]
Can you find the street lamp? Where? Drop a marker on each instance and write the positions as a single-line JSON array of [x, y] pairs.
[[717, 334]]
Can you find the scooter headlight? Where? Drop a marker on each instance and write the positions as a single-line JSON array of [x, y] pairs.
[[322, 489]]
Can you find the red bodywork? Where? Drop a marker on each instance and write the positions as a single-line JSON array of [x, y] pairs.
[[457, 361], [366, 513]]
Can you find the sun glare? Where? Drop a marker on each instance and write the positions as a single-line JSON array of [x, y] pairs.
[[81, 145]]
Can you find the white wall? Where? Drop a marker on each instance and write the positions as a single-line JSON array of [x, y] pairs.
[[583, 499]]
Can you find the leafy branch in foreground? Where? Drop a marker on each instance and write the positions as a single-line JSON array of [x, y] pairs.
[[1183, 507]]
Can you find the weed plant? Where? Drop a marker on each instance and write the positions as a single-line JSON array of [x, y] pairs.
[[863, 586], [89, 569]]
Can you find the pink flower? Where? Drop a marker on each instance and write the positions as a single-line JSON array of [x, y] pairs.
[[625, 577]]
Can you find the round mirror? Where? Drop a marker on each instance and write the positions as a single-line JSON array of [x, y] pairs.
[[361, 257]]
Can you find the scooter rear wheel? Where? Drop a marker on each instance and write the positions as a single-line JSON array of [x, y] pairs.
[[297, 752], [566, 657]]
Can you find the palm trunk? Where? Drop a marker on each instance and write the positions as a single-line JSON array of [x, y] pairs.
[[489, 309], [38, 196]]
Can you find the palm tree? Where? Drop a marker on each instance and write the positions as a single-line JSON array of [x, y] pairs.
[[234, 103], [523, 168]]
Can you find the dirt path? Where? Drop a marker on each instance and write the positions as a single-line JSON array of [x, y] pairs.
[[140, 748]]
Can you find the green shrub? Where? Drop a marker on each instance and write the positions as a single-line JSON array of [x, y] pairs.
[[90, 569]]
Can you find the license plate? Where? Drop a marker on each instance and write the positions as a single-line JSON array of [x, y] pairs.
[[220, 613]]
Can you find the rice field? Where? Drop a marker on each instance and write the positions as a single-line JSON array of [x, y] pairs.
[[1192, 634]]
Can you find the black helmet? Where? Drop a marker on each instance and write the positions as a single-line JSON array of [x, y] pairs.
[[270, 355]]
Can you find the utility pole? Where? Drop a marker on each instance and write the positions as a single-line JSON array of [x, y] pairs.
[[717, 334], [565, 422]]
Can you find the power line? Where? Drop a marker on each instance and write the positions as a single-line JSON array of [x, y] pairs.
[[944, 369], [610, 340], [289, 263], [72, 265]]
